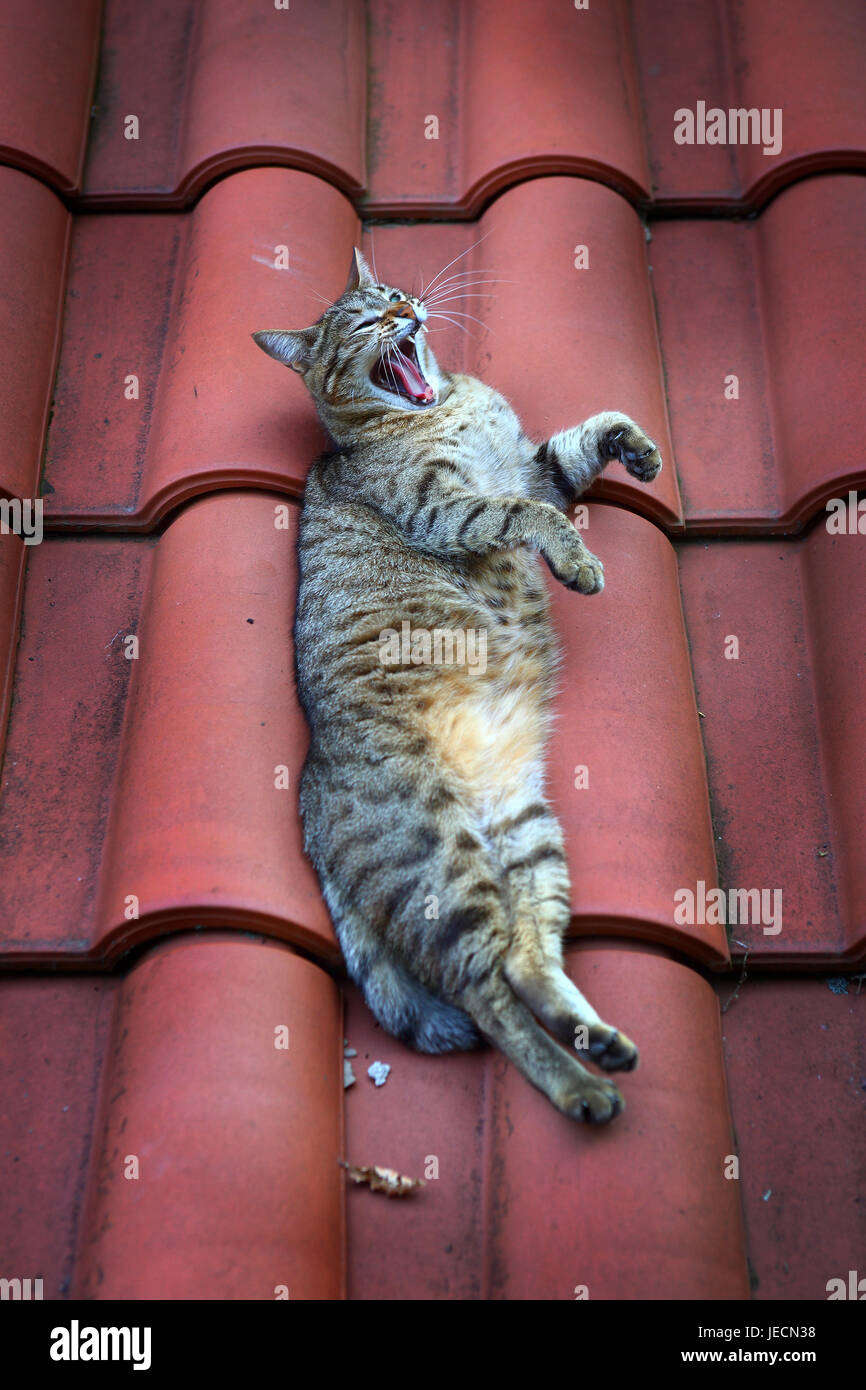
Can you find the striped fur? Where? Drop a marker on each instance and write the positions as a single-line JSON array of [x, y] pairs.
[[423, 796]]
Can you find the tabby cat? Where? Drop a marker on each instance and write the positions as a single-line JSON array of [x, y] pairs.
[[422, 796]]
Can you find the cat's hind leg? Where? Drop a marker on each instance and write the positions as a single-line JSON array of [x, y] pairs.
[[510, 1026], [533, 855]]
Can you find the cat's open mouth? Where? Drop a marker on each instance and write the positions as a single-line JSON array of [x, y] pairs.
[[399, 371]]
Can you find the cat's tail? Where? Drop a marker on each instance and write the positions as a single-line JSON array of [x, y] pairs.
[[411, 1013]]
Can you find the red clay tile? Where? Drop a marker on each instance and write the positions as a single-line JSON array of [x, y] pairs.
[[214, 1171], [34, 230], [436, 118], [783, 732], [13, 558], [48, 58], [517, 91], [788, 54], [560, 343], [528, 1205], [640, 830], [796, 1064], [52, 1043], [173, 301], [733, 298], [168, 761], [227, 86], [158, 780], [170, 300]]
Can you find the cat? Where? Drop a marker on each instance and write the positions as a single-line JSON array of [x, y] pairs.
[[422, 796]]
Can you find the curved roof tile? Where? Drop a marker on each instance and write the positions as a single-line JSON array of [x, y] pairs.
[[48, 59], [173, 300], [596, 89], [227, 86], [761, 55], [803, 1038], [515, 91], [502, 1216], [34, 235], [777, 303], [171, 813], [783, 732], [214, 1168]]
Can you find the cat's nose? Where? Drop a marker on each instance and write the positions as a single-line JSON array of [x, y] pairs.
[[404, 310]]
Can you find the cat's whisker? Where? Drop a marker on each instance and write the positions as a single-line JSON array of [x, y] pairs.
[[461, 289], [452, 298], [458, 282], [455, 260], [462, 274], [461, 326], [460, 315]]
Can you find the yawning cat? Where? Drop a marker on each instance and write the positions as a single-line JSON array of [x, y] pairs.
[[422, 796]]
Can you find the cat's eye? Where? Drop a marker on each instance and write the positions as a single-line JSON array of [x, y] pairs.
[[395, 296], [365, 323]]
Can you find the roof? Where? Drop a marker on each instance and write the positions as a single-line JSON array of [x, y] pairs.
[[172, 989]]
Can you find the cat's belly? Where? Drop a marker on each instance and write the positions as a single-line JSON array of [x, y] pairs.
[[490, 731]]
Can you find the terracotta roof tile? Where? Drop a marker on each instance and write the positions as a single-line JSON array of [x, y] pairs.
[[796, 1065], [54, 1032], [765, 451], [236, 1139], [570, 75], [34, 231], [144, 791], [502, 1154], [227, 86], [626, 713], [596, 89], [173, 301], [750, 54], [48, 59], [505, 1217], [176, 311], [155, 801], [13, 554], [166, 740], [782, 728]]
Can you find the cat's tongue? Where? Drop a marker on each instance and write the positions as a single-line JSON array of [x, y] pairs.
[[412, 382]]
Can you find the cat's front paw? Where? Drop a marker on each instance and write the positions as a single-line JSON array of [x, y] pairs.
[[610, 1049], [595, 1102], [576, 567], [628, 443]]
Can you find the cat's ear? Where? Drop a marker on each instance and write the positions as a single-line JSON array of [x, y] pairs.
[[360, 274], [294, 349]]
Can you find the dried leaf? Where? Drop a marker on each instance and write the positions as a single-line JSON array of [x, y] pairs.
[[386, 1180]]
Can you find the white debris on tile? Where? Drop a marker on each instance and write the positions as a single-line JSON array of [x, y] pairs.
[[378, 1072], [349, 1077]]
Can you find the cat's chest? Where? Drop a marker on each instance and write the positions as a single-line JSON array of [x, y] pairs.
[[508, 589], [486, 449]]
